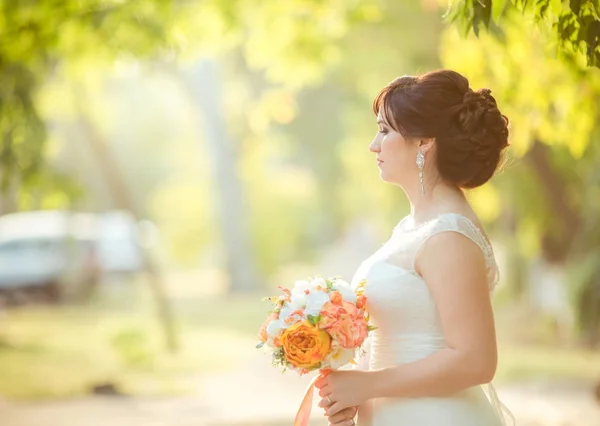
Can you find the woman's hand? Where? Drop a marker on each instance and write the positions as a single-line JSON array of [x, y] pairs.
[[343, 389], [344, 417]]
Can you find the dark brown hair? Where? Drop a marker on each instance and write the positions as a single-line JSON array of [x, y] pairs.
[[469, 130]]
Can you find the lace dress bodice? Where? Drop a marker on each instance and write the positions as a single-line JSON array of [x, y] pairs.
[[403, 310]]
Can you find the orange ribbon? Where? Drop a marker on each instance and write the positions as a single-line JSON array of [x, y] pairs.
[[303, 414]]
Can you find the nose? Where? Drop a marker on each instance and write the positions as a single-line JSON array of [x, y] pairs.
[[375, 147]]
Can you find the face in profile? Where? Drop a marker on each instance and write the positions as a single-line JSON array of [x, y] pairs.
[[396, 156]]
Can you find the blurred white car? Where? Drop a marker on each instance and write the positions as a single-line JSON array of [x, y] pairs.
[[53, 253], [119, 247]]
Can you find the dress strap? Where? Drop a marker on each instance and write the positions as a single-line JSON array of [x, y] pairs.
[[456, 222]]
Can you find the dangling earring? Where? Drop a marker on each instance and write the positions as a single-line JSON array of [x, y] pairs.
[[421, 165]]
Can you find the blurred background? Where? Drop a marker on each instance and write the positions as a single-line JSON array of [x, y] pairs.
[[164, 164]]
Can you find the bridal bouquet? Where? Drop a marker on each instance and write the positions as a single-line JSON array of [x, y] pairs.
[[318, 324]]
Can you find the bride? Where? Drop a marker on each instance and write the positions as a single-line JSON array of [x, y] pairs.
[[429, 286]]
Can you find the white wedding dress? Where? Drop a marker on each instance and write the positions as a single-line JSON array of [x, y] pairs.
[[408, 328]]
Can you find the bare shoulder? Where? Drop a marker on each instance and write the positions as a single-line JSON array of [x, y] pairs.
[[449, 256]]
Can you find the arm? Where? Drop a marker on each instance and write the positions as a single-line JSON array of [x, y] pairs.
[[454, 269]]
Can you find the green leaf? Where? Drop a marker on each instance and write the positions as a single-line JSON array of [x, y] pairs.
[[260, 345], [314, 320], [499, 7]]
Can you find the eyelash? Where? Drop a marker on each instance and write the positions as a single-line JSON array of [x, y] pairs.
[[383, 131]]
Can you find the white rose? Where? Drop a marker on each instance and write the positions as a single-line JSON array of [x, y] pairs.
[[340, 357], [315, 301]]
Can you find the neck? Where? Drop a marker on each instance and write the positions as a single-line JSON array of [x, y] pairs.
[[438, 198]]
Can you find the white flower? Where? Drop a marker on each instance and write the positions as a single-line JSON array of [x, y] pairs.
[[345, 290], [285, 313], [340, 357], [300, 287], [318, 283], [298, 301], [295, 304], [315, 301], [274, 328]]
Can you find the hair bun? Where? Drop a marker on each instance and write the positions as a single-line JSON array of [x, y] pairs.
[[479, 109], [470, 96], [484, 132], [482, 97]]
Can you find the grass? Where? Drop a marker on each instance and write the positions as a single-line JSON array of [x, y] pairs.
[[51, 352], [63, 352], [545, 363]]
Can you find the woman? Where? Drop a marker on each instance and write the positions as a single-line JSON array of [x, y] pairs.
[[429, 286]]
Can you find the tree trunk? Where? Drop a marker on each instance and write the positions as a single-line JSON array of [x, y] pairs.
[[556, 248], [203, 85], [8, 198], [122, 199], [515, 263], [580, 236]]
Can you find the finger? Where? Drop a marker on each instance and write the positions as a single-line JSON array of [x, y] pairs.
[[324, 403], [324, 391], [334, 408], [342, 416], [321, 381], [346, 422]]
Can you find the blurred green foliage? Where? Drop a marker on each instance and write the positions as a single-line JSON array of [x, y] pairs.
[[36, 36], [574, 24]]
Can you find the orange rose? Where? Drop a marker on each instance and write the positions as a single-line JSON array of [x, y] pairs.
[[305, 345], [262, 334], [345, 323]]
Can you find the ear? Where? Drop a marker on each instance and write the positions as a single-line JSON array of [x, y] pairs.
[[426, 145]]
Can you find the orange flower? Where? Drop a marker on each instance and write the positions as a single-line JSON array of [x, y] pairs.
[[361, 301], [305, 346], [345, 323], [262, 334], [336, 297], [287, 293]]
